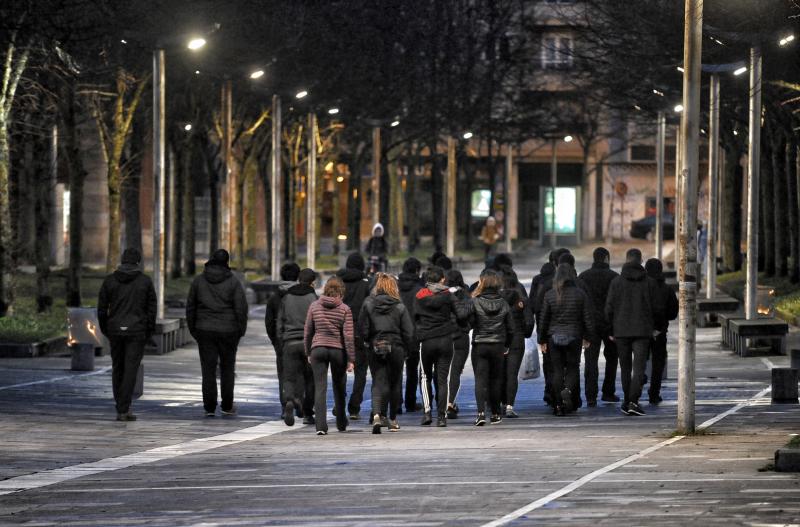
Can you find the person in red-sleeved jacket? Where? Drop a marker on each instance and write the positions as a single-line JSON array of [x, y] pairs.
[[328, 339]]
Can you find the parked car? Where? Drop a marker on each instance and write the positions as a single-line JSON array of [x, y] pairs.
[[645, 228]]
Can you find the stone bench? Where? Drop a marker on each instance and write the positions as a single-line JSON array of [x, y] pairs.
[[767, 328], [708, 308], [166, 336]]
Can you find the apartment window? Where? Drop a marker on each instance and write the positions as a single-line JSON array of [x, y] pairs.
[[557, 52], [643, 153]]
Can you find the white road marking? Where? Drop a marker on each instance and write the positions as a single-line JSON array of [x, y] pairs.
[[59, 475], [768, 363], [541, 502], [56, 379]]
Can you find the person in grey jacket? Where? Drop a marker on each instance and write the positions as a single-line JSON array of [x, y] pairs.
[[216, 313], [126, 312], [289, 273], [298, 382]]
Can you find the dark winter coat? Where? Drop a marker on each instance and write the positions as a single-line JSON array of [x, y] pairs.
[[571, 317], [547, 272], [521, 316], [409, 285], [491, 320], [217, 303], [272, 308], [595, 282], [384, 317], [632, 304], [433, 313], [462, 326], [329, 324], [293, 311], [377, 246], [668, 301], [356, 289], [127, 303]]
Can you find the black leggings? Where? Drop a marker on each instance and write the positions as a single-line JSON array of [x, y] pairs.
[[487, 362], [321, 357], [513, 362], [565, 365], [460, 354], [387, 381]]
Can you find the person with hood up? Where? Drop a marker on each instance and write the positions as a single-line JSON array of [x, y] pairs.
[[492, 333], [356, 290], [632, 309], [455, 281], [522, 316], [658, 344], [387, 331], [433, 313], [298, 378], [329, 342], [409, 283], [289, 273], [566, 325], [595, 282], [216, 313], [126, 313], [377, 249]]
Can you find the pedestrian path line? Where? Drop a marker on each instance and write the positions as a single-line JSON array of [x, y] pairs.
[[563, 491], [56, 379], [60, 475]]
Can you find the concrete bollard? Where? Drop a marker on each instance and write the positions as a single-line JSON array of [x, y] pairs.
[[787, 460], [795, 359], [784, 386], [83, 357]]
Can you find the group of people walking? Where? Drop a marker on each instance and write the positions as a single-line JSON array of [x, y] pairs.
[[421, 327]]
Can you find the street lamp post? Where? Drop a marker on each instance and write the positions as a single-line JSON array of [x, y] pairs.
[[311, 194], [553, 185], [507, 197], [450, 197], [275, 188], [376, 174], [713, 186], [753, 154], [158, 175], [660, 137]]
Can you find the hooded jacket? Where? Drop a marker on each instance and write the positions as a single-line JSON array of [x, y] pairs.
[[271, 311], [433, 313], [520, 316], [126, 305], [632, 304], [595, 282], [377, 244], [329, 324], [216, 302], [546, 274], [356, 285], [571, 317], [491, 320], [463, 296], [293, 310], [385, 317], [409, 285], [666, 298]]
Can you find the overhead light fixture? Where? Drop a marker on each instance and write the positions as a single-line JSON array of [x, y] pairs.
[[658, 92], [637, 107], [257, 74], [785, 40], [197, 72], [741, 70], [188, 127], [736, 132], [339, 179], [394, 123], [301, 94], [568, 139], [678, 108], [680, 68], [125, 41], [333, 111], [718, 41], [467, 135], [196, 43]]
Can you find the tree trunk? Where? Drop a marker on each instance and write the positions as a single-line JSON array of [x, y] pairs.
[[411, 201], [790, 164], [241, 217], [182, 180], [354, 212], [114, 200], [43, 210], [779, 213], [731, 208], [437, 181], [189, 225], [131, 192], [466, 200], [766, 218], [77, 176]]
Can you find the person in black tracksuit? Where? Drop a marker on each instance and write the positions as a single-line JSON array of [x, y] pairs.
[[544, 280], [289, 273], [493, 332], [126, 313], [409, 283], [522, 317], [298, 376], [387, 331], [433, 311], [454, 279], [658, 344], [356, 291], [595, 282], [566, 324], [216, 313], [632, 308]]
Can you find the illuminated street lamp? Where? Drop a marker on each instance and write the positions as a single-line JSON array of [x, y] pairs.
[[333, 111], [785, 40], [196, 43], [467, 135], [740, 70], [678, 108], [257, 74], [301, 94], [394, 123], [568, 139], [187, 127]]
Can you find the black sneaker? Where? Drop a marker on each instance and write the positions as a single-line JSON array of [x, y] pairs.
[[376, 424], [394, 426], [452, 413], [121, 417], [480, 420], [384, 422], [624, 408], [635, 409], [427, 419], [510, 413], [309, 420], [288, 414], [230, 412], [208, 414], [322, 432], [566, 400], [441, 422], [354, 416], [610, 398], [559, 411], [496, 419], [591, 403], [655, 400]]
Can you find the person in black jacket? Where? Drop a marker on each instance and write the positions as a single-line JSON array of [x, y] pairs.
[[632, 308], [356, 288], [216, 313], [377, 249], [658, 344], [409, 282], [522, 316], [126, 312], [298, 376], [289, 273], [566, 324], [595, 282], [434, 308], [387, 331], [493, 332], [454, 280]]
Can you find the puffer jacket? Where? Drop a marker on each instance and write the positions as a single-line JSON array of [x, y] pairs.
[[127, 304], [293, 311], [462, 326], [329, 324], [571, 317], [433, 313], [632, 306], [517, 305], [217, 303], [491, 320], [595, 282], [385, 317], [356, 289]]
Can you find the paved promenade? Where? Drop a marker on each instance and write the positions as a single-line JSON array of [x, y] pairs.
[[65, 461]]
